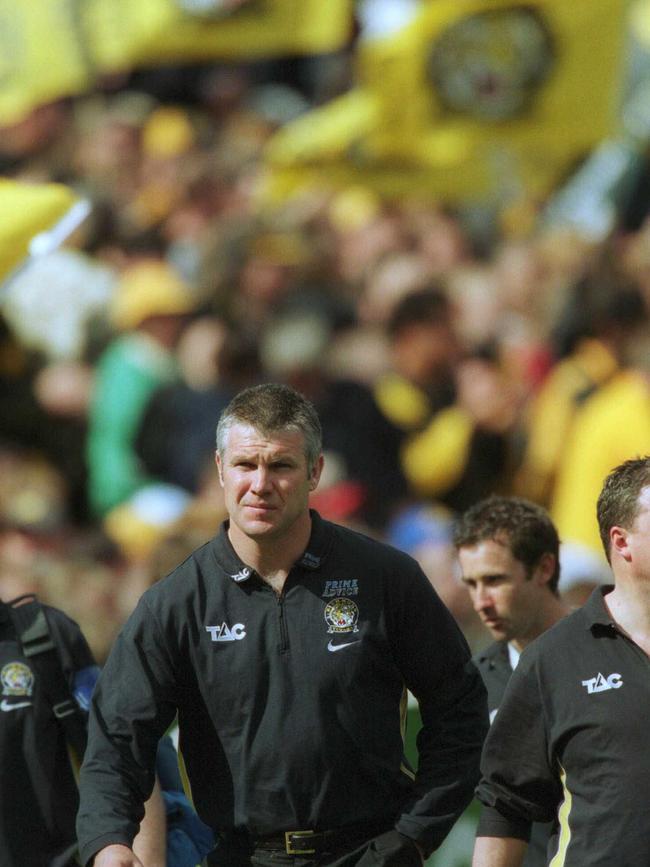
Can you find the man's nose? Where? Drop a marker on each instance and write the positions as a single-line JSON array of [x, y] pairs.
[[260, 479], [482, 598]]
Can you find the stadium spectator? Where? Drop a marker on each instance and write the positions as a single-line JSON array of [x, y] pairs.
[[150, 310]]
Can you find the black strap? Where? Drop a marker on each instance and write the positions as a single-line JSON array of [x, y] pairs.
[[34, 634]]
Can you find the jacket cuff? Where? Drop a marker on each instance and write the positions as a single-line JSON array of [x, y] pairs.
[[412, 828], [88, 851], [492, 823]]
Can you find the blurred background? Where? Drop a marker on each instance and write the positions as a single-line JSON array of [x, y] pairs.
[[430, 216]]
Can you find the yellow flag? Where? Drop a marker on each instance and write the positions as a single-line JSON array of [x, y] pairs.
[[123, 33], [41, 56], [40, 215], [470, 98]]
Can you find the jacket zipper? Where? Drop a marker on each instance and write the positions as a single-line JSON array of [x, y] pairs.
[[283, 647]]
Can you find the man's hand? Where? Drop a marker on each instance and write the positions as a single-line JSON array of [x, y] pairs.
[[117, 855]]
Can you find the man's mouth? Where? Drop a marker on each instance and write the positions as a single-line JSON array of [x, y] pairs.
[[492, 622]]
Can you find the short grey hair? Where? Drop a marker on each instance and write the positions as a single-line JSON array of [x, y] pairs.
[[271, 408]]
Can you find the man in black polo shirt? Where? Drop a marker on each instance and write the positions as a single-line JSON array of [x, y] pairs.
[[508, 549], [286, 645], [570, 741]]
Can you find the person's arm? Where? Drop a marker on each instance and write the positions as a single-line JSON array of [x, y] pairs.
[[520, 782], [150, 845], [116, 855], [434, 659], [134, 703], [498, 852]]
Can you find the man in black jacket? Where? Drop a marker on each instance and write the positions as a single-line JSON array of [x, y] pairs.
[[508, 550], [47, 675], [287, 645], [38, 792], [570, 741]]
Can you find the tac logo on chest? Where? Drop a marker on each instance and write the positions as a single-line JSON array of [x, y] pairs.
[[341, 615], [227, 633]]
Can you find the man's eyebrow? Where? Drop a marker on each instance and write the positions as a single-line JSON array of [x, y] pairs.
[[272, 459], [483, 576]]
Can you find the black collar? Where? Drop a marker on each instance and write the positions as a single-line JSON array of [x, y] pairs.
[[595, 611], [495, 653], [313, 557]]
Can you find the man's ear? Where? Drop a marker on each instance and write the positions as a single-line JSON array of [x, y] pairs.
[[217, 460], [618, 543], [315, 474], [545, 568]]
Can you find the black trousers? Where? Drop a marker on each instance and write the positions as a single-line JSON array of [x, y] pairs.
[[386, 850]]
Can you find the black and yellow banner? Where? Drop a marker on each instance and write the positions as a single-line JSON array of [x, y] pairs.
[[51, 49], [27, 211], [41, 55], [124, 33], [466, 97]]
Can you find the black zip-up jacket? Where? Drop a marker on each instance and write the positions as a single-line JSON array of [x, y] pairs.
[[38, 792], [291, 708], [494, 665], [570, 744]]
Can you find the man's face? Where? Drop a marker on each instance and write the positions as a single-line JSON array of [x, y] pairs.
[[266, 480], [504, 597]]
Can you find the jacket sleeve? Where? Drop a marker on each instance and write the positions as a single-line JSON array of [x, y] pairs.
[[520, 781], [434, 659], [133, 704]]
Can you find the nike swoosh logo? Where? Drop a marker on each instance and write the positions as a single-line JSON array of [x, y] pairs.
[[335, 647], [7, 705]]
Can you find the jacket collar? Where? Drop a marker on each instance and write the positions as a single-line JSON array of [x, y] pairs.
[[495, 654], [312, 558], [595, 611]]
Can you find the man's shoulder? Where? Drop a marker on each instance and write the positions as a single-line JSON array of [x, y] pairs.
[[375, 549], [560, 640], [183, 580], [64, 632], [57, 620], [200, 560]]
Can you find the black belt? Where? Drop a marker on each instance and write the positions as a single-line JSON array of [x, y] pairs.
[[308, 842]]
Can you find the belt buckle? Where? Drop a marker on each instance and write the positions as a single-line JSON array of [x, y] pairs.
[[289, 846]]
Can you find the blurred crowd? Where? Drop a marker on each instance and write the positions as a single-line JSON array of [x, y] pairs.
[[451, 353]]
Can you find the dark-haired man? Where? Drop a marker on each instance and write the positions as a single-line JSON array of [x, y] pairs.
[[286, 645], [570, 741], [508, 549]]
